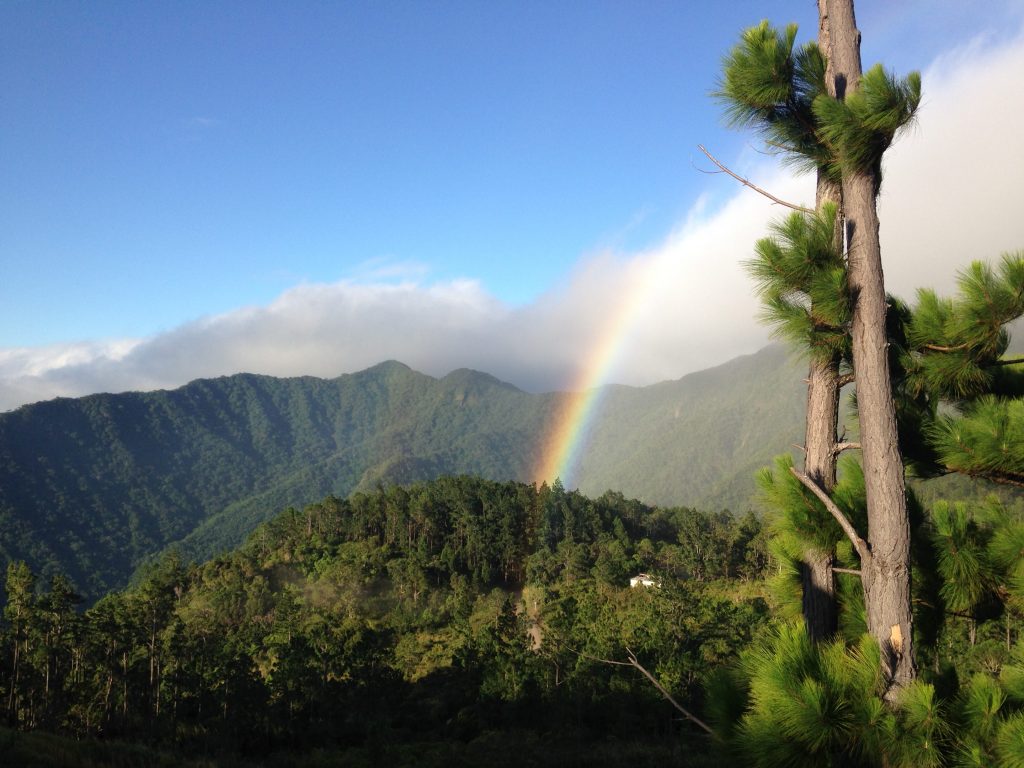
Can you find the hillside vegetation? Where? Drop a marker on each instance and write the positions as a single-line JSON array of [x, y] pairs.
[[91, 487], [457, 622]]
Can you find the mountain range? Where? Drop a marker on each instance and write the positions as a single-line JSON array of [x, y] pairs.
[[93, 486]]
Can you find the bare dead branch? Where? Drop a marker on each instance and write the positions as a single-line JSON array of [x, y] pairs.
[[840, 447], [1014, 361], [748, 183], [852, 571], [800, 448], [846, 378], [633, 662], [687, 714], [604, 661], [851, 533]]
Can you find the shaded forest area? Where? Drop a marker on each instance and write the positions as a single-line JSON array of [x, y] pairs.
[[460, 621]]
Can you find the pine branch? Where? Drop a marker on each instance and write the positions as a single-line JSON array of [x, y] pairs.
[[852, 571], [751, 185], [1002, 478], [1014, 361], [840, 447], [940, 348], [851, 533], [846, 378]]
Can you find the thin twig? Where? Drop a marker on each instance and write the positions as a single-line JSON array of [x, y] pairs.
[[1015, 361], [960, 614], [840, 447], [851, 533], [852, 571], [747, 183]]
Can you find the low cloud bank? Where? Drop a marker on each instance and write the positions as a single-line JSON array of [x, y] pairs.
[[949, 196]]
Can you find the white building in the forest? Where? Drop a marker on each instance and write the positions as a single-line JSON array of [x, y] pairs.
[[644, 580]]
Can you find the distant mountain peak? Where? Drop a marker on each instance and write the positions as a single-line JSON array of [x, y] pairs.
[[469, 376], [386, 369]]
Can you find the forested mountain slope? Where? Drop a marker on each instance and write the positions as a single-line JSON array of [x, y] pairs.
[[94, 485], [700, 439], [449, 623]]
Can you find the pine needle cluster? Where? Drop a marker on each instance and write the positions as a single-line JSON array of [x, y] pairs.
[[960, 393], [859, 128], [808, 704], [779, 90], [956, 343], [791, 702], [987, 441], [800, 277], [770, 85]]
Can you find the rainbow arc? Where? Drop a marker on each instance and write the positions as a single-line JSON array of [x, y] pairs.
[[566, 441]]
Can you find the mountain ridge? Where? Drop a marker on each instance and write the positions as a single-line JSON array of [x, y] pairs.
[[95, 485]]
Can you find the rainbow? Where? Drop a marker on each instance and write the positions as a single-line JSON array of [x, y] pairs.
[[569, 433]]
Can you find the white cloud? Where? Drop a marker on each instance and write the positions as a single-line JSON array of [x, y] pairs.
[[951, 190], [949, 196], [39, 373]]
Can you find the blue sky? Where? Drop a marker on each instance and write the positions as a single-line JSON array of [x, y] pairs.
[[162, 164]]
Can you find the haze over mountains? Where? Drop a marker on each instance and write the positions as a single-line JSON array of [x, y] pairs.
[[94, 485]]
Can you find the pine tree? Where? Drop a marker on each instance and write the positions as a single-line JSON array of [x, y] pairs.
[[801, 279], [810, 108], [859, 124], [771, 86], [796, 702]]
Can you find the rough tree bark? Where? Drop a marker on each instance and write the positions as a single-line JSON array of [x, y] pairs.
[[885, 571], [817, 577], [816, 571]]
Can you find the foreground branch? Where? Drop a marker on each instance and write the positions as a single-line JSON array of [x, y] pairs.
[[1002, 478], [633, 662], [851, 533], [747, 183]]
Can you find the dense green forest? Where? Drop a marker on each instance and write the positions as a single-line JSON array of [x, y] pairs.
[[92, 487], [460, 621]]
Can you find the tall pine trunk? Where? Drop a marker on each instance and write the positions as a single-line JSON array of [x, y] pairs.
[[819, 606], [886, 571]]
